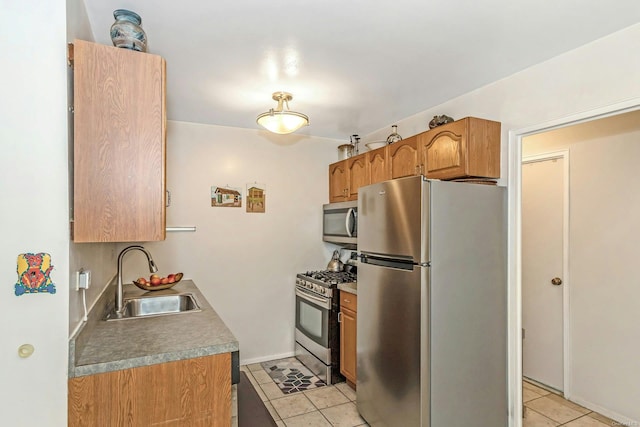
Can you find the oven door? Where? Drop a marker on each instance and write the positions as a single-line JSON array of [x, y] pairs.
[[312, 323]]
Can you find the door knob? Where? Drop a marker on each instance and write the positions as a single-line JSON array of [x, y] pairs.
[[556, 281]]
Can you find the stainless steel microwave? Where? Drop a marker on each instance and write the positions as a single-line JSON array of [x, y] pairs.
[[340, 223]]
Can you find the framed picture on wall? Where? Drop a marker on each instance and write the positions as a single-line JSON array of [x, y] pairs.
[[226, 197], [256, 198]]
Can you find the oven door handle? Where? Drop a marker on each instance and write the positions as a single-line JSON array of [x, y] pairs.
[[322, 302]]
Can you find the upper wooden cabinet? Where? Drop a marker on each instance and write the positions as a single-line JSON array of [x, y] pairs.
[[378, 165], [338, 182], [119, 145], [403, 158], [465, 148], [357, 175]]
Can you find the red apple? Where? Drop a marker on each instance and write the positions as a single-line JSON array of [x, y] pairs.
[[164, 281], [171, 276], [142, 280], [170, 279], [155, 281]]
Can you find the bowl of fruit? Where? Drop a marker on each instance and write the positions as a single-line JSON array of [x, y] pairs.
[[157, 283]]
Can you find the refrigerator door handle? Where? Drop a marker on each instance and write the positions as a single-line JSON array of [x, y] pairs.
[[381, 261]]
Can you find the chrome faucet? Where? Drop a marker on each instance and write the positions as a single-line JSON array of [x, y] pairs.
[[119, 292]]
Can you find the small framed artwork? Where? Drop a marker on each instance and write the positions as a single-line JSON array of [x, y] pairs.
[[228, 197], [256, 198]]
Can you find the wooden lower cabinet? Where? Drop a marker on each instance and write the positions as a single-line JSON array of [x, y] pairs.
[[348, 323], [191, 392]]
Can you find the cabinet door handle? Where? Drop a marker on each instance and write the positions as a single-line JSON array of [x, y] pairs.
[[339, 317]]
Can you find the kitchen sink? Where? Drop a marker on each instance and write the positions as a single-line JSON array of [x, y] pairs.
[[161, 305]]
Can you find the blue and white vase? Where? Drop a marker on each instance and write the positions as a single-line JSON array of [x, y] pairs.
[[126, 31]]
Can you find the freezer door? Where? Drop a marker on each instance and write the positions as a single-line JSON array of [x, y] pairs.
[[389, 344], [391, 217]]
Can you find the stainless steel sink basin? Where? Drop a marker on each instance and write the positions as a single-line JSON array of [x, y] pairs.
[[152, 305]]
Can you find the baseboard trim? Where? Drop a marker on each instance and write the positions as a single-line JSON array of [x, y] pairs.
[[624, 421], [266, 358]]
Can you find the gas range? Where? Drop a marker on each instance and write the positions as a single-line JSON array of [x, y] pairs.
[[324, 282], [317, 332]]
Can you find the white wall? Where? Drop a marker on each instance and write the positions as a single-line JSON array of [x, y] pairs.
[[603, 280], [598, 74], [33, 186], [593, 76], [245, 263]]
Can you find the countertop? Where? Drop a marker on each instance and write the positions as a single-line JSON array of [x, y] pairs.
[[349, 287], [102, 346]]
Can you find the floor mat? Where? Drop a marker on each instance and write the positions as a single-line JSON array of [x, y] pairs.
[[291, 375], [251, 409]]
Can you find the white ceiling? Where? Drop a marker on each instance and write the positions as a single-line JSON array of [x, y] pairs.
[[352, 66]]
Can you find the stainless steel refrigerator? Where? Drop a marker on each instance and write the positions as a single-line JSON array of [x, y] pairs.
[[432, 304]]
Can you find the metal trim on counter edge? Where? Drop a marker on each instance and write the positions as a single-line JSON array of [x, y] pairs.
[[191, 228], [235, 367]]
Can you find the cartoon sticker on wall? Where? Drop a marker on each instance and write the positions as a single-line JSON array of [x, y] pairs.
[[33, 274]]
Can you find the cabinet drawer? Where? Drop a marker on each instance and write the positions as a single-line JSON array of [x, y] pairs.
[[348, 300]]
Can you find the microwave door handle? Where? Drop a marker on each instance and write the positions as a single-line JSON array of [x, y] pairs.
[[347, 222]]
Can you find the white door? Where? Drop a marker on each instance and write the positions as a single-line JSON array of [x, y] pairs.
[[543, 234]]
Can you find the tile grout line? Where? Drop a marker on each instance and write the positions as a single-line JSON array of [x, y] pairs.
[[303, 392], [544, 416]]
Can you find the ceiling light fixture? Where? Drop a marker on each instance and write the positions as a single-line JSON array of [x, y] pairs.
[[282, 121]]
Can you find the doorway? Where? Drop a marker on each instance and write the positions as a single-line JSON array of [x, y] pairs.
[[545, 204], [515, 241]]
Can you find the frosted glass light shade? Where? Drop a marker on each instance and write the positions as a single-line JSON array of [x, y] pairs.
[[282, 121]]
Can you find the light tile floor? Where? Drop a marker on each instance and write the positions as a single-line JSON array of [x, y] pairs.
[[545, 409], [335, 406], [319, 407]]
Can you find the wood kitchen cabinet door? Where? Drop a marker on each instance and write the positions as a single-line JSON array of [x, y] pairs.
[[403, 158], [357, 173], [119, 145], [348, 328], [190, 392], [338, 182], [469, 147], [378, 165]]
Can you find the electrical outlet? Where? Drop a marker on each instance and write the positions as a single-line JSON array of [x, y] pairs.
[[83, 279]]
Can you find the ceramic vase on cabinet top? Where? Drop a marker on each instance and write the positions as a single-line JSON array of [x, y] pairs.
[[126, 31], [394, 136]]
